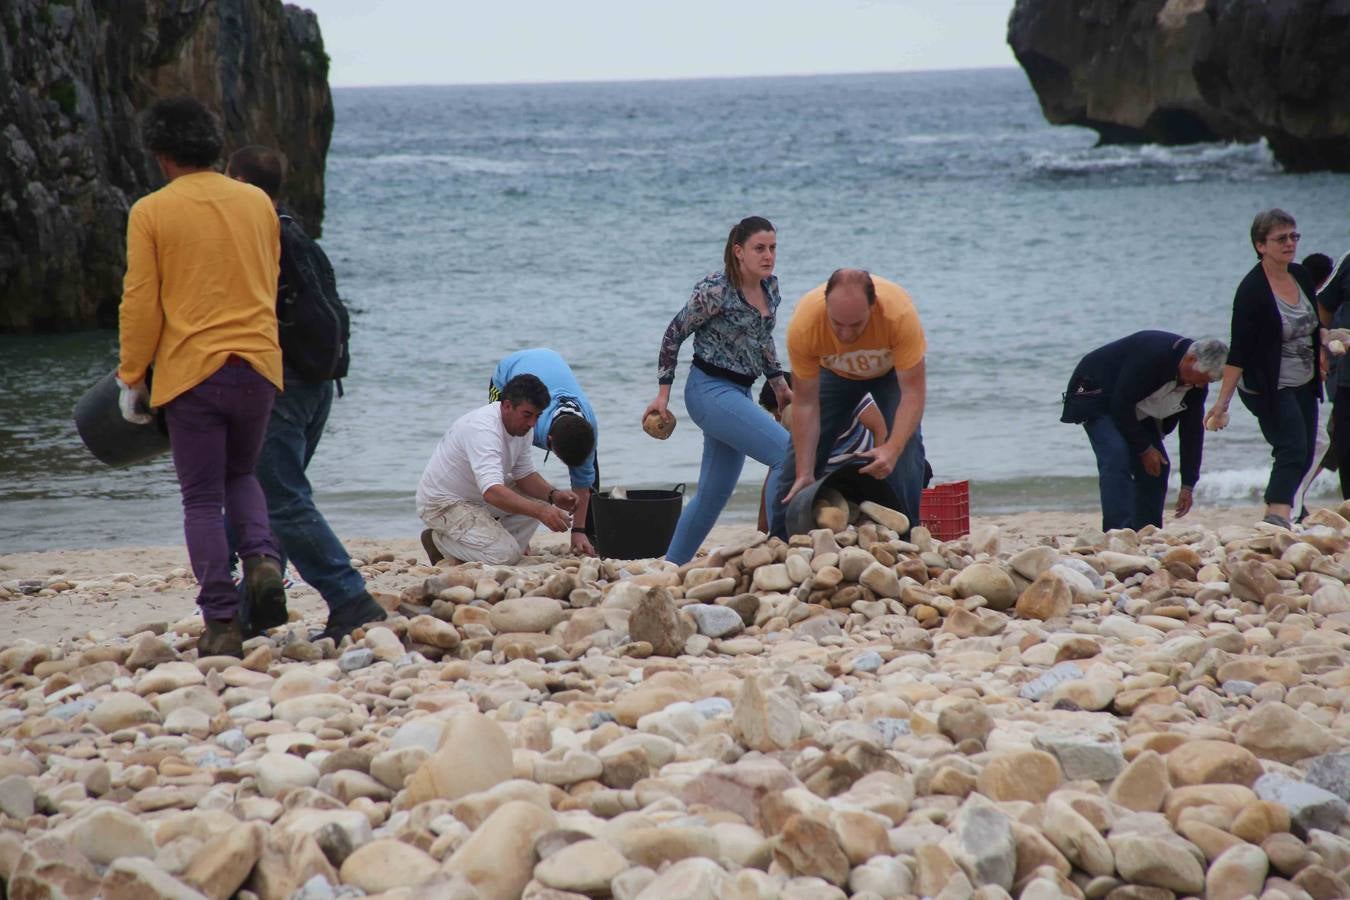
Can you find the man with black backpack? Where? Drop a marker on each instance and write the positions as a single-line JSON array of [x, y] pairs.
[[313, 326]]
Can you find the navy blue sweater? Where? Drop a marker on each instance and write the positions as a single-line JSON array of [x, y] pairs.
[[1112, 379], [1258, 333]]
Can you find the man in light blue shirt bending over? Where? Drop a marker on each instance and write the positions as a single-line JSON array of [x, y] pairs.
[[566, 427]]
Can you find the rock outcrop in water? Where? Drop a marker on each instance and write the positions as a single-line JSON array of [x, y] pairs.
[[73, 76], [1185, 71], [1283, 67]]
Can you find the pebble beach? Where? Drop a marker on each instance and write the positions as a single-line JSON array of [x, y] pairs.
[[1035, 710]]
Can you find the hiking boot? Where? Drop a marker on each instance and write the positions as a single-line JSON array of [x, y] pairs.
[[264, 604], [1278, 521], [429, 544], [350, 617], [221, 638]]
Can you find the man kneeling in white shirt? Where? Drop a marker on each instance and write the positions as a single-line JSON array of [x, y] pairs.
[[480, 495]]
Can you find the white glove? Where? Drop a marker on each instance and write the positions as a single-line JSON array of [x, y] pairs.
[[132, 400]]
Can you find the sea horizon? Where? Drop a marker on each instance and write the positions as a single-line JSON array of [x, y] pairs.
[[672, 78]]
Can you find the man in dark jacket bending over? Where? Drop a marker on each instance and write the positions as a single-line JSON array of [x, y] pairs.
[[1129, 394]]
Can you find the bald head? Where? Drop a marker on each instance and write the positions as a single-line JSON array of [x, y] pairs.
[[849, 298]]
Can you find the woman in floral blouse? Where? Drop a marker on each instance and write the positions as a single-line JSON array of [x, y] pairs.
[[731, 315]]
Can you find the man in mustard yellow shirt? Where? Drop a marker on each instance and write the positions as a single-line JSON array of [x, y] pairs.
[[199, 306], [854, 335]]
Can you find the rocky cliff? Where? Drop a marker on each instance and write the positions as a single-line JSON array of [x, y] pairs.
[[1285, 67], [74, 75], [1183, 71]]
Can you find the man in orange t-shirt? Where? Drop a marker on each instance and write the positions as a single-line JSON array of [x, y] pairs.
[[854, 335]]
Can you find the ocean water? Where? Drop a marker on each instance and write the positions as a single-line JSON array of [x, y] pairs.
[[467, 222]]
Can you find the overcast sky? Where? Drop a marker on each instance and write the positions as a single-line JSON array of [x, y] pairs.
[[478, 41]]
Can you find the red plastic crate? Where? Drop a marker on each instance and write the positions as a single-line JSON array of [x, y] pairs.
[[944, 510]]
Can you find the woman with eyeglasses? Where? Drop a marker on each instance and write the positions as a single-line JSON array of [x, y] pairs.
[[1274, 359]]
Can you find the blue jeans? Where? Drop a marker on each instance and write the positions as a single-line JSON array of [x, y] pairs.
[[838, 398], [734, 427], [298, 419], [1291, 431], [1131, 498]]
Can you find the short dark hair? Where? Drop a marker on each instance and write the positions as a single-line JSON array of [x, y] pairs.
[[856, 277], [767, 398], [572, 438], [1267, 221], [182, 129], [259, 166], [1319, 266], [526, 388]]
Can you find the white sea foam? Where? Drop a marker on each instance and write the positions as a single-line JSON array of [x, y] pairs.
[[955, 137], [1248, 484], [1188, 163], [474, 164]]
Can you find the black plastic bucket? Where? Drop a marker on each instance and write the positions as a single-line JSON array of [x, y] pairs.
[[112, 439], [638, 526]]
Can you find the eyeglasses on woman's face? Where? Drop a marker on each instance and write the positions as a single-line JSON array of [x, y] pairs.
[[1289, 237]]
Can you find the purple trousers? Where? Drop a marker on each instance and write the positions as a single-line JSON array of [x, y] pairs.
[[216, 430]]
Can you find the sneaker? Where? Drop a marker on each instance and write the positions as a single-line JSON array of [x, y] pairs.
[[429, 544], [1278, 521], [264, 604], [221, 638], [351, 617]]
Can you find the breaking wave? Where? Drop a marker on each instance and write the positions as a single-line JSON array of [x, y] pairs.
[[1194, 162], [458, 162], [1247, 485]]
